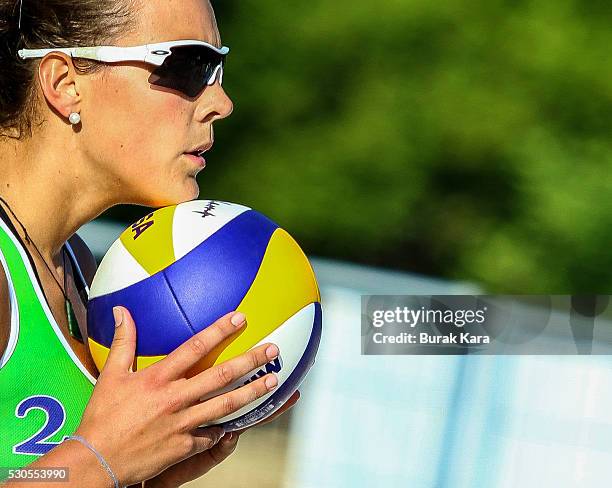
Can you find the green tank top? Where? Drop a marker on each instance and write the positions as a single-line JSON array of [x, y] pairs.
[[44, 388]]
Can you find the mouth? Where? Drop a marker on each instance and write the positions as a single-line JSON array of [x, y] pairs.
[[198, 159], [197, 155]]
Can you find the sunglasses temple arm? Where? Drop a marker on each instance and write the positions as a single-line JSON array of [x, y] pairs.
[[112, 54], [41, 53], [108, 54]]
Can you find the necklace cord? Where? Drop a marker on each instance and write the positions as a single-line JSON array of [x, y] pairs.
[[73, 326], [30, 241]]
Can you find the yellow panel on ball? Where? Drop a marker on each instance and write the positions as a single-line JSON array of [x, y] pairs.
[[284, 284], [100, 354], [146, 361], [149, 240]]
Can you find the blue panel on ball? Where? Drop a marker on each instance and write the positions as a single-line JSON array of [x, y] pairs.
[[214, 277], [288, 388], [190, 294], [160, 323]]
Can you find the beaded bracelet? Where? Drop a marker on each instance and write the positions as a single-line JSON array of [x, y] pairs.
[[98, 455]]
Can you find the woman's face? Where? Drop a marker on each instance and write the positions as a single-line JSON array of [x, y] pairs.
[[136, 136]]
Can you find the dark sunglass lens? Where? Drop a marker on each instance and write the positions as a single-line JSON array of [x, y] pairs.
[[187, 69]]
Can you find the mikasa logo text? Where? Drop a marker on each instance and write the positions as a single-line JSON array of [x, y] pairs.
[[143, 224], [272, 367]]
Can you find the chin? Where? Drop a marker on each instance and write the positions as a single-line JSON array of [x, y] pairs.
[[190, 190], [194, 189]]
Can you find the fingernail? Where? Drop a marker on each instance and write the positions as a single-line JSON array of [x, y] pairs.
[[238, 319], [118, 315], [271, 382], [272, 351], [227, 438]]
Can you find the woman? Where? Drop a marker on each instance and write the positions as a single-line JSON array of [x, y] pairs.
[[79, 136]]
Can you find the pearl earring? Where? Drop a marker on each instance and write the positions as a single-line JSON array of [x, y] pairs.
[[74, 118]]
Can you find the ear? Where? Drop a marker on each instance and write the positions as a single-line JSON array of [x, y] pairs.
[[58, 82]]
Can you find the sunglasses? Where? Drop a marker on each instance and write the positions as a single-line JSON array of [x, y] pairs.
[[187, 66]]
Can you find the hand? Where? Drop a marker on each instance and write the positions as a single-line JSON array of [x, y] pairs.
[[198, 465], [146, 421]]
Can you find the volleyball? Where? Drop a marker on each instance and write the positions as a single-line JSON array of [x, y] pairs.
[[180, 268]]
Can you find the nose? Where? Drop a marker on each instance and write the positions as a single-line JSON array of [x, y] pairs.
[[214, 104], [226, 102]]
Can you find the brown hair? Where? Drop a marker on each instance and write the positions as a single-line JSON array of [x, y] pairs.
[[44, 24]]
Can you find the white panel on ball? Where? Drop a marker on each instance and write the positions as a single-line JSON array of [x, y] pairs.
[[191, 226], [117, 270], [292, 339]]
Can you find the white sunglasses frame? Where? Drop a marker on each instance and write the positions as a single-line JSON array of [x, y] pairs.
[[154, 54]]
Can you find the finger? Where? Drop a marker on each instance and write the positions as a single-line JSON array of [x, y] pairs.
[[222, 405], [224, 374], [123, 348], [223, 449], [200, 464], [206, 437], [293, 399], [178, 362]]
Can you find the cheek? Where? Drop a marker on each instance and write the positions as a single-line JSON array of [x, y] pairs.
[[168, 116], [134, 126]]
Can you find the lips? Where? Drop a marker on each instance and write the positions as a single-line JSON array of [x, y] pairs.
[[197, 154], [197, 158], [200, 150]]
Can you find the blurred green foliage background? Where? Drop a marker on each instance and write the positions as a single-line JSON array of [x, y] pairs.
[[464, 139]]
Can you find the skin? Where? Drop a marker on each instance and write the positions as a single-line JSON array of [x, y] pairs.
[[146, 131], [140, 160], [129, 148]]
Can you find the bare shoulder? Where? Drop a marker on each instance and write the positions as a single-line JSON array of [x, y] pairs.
[[87, 261], [5, 312]]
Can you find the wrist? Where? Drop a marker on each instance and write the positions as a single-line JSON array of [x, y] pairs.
[[101, 462], [83, 465]]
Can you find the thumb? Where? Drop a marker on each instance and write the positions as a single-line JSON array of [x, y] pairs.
[[123, 348]]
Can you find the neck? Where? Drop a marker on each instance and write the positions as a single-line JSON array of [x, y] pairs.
[[48, 190]]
